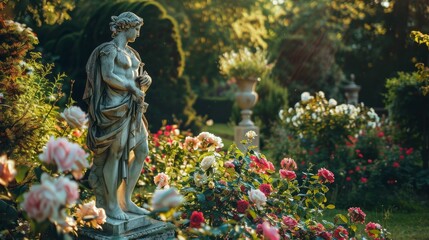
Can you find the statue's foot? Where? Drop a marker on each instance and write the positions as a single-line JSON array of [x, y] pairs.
[[116, 213], [133, 208]]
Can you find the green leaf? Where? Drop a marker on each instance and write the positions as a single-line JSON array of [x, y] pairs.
[[252, 213], [353, 228], [201, 198], [330, 206], [342, 217], [22, 171]]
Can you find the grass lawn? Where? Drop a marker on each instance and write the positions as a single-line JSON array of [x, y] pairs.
[[401, 225]]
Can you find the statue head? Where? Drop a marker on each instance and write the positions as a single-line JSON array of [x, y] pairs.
[[123, 22]]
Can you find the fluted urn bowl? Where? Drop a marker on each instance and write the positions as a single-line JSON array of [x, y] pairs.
[[246, 98]]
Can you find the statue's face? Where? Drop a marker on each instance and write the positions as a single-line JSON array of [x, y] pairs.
[[133, 33]]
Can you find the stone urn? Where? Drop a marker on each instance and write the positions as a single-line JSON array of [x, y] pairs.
[[246, 98]]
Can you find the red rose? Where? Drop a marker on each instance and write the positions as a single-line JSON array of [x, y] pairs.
[[348, 179], [325, 235], [409, 151], [196, 219], [290, 222], [242, 206], [325, 175], [396, 165], [356, 215], [364, 179], [340, 233], [289, 175], [266, 189]]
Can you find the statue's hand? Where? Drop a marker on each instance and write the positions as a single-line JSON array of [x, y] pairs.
[[144, 81], [135, 91]]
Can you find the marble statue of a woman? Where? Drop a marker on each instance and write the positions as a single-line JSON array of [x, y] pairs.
[[117, 134]]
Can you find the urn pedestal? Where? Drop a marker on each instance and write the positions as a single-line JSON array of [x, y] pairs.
[[246, 98]]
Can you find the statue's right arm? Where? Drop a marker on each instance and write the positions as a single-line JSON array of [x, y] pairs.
[[107, 59]]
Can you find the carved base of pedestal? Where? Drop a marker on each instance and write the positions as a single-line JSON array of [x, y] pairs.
[[137, 227], [240, 134]]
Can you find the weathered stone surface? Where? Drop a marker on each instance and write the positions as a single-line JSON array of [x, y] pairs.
[[137, 227]]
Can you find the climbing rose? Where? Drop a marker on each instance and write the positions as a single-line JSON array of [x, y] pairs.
[[161, 180], [43, 200], [166, 198], [290, 222], [251, 134], [7, 170], [67, 156], [325, 175], [75, 117], [340, 233], [356, 215], [257, 197], [289, 175], [207, 162], [270, 233], [71, 189], [242, 206], [90, 215], [288, 164], [196, 219], [266, 189], [373, 229]]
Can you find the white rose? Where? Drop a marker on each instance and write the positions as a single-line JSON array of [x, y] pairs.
[[332, 102], [207, 162], [321, 94], [251, 134], [305, 97], [281, 114], [75, 117], [199, 179], [257, 197]]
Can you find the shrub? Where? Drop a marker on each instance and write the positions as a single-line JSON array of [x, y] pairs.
[[237, 194], [405, 102]]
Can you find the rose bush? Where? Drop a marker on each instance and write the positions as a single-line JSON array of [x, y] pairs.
[[239, 194]]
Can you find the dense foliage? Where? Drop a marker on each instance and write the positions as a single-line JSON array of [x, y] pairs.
[[405, 101], [237, 194]]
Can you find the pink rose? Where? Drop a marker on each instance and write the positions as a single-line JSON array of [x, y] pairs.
[[257, 197], [229, 164], [325, 175], [261, 165], [67, 156], [373, 229], [289, 175], [69, 187], [75, 117], [209, 141], [356, 215], [88, 214], [271, 233], [161, 180], [290, 222], [7, 170], [43, 200], [340, 233], [191, 143], [288, 164]]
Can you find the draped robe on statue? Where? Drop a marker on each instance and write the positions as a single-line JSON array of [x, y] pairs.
[[114, 115]]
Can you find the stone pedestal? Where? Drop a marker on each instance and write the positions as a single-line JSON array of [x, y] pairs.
[[137, 227], [240, 132]]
